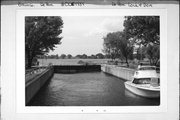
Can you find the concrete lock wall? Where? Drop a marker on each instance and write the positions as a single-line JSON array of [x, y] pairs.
[[34, 86], [124, 73], [76, 68]]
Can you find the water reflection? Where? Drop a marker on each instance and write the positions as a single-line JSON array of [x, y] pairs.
[[130, 94]]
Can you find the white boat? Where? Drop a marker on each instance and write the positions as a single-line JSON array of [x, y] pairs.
[[146, 82]]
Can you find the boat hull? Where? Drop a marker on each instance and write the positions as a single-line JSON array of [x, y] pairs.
[[144, 92]]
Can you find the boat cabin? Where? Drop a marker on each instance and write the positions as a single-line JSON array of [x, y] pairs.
[[146, 75]]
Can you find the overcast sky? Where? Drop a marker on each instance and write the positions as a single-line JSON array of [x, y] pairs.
[[83, 34]]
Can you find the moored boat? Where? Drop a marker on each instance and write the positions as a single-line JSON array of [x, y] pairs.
[[146, 82]]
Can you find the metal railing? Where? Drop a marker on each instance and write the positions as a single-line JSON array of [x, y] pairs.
[[34, 72]]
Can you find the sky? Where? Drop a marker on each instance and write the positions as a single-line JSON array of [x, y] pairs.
[[84, 34]]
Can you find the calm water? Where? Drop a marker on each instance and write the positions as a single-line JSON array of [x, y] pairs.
[[87, 89]]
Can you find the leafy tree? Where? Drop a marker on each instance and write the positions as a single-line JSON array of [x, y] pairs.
[[78, 56], [125, 46], [117, 45], [111, 45], [143, 29], [93, 56], [41, 35], [69, 56], [53, 56], [153, 53], [100, 56], [63, 56], [141, 52], [56, 56], [84, 56]]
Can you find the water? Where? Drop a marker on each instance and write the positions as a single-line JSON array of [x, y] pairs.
[[88, 89]]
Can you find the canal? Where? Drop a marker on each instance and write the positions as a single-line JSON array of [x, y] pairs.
[[88, 89]]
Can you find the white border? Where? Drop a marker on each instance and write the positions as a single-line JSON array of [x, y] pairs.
[[20, 79]]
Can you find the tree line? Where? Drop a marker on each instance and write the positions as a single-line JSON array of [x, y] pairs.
[[139, 39], [69, 56], [42, 34]]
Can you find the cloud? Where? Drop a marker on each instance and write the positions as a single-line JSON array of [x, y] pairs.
[[107, 25], [112, 24]]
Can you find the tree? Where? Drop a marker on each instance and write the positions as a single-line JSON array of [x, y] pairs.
[[125, 46], [143, 29], [93, 56], [63, 56], [153, 53], [118, 45], [41, 35], [100, 56], [111, 45], [56, 56], [78, 56], [141, 52], [69, 56], [84, 56]]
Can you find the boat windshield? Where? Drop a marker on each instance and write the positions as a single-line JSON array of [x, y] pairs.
[[142, 81], [147, 68], [146, 81]]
